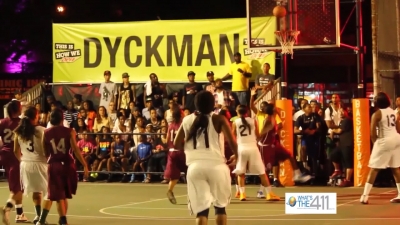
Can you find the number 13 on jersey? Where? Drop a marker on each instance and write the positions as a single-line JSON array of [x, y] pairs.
[[310, 203]]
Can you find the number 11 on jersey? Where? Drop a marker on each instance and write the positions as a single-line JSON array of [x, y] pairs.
[[310, 203]]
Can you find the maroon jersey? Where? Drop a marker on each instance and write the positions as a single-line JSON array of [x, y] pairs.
[[7, 126], [270, 137], [173, 130], [57, 143]]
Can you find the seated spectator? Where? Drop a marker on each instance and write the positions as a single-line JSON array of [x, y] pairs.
[[146, 110], [168, 112], [104, 141], [122, 128], [112, 113], [71, 113], [127, 121], [42, 115], [159, 156], [77, 100], [133, 116], [118, 157], [144, 151], [88, 150], [53, 106], [90, 114], [175, 99], [154, 120], [139, 128], [186, 112], [132, 106], [102, 120]]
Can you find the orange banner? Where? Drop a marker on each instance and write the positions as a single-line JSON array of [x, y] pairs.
[[285, 110], [362, 150]]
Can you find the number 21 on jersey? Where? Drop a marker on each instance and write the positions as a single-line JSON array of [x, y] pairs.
[[58, 147]]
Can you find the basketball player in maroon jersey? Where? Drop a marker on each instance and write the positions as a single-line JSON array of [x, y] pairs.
[[58, 141], [176, 162], [11, 163], [271, 149]]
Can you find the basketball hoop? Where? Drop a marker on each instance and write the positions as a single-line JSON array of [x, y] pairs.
[[287, 38]]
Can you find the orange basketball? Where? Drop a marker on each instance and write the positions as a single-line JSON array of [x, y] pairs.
[[279, 11]]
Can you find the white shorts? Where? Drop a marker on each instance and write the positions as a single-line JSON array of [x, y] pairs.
[[249, 159], [385, 153], [34, 177], [208, 183]]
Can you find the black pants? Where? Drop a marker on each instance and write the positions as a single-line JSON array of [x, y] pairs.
[[343, 154], [157, 160]]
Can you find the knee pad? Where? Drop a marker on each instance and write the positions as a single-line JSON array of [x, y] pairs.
[[219, 211], [203, 213]]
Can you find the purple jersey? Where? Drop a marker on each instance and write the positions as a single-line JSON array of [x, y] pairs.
[[7, 127], [57, 141], [173, 130]]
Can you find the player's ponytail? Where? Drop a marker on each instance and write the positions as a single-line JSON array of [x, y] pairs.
[[204, 102], [26, 127], [242, 111]]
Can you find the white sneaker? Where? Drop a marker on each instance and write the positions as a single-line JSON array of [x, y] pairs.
[[364, 199], [260, 194], [395, 200], [5, 216], [21, 218], [302, 178]]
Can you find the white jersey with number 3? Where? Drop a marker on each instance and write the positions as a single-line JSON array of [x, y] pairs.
[[243, 134], [32, 150], [387, 125]]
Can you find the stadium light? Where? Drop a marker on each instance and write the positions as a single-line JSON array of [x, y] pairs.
[[60, 9]]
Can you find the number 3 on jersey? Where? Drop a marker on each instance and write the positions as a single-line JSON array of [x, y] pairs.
[[59, 147], [391, 120]]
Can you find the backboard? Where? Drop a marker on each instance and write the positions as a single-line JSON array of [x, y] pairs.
[[317, 20]]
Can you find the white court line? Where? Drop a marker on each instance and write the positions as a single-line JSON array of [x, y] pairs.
[[185, 209], [261, 218]]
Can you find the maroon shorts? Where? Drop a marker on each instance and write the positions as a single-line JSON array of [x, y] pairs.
[[11, 167], [273, 154], [176, 163], [63, 180]]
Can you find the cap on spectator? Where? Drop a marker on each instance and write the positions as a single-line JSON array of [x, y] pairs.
[[107, 72], [210, 73], [175, 94], [17, 92], [191, 73], [78, 96], [148, 99], [125, 75]]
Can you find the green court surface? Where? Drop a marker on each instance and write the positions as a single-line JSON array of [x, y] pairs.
[[123, 204]]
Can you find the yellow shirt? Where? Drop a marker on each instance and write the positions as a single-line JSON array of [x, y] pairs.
[[260, 117], [104, 123], [239, 81]]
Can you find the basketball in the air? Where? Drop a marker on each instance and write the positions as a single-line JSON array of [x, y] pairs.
[[279, 11]]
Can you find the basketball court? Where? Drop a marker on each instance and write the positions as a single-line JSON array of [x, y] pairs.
[[123, 204]]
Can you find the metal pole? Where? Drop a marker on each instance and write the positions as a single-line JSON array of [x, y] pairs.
[[284, 77], [374, 29], [360, 52]]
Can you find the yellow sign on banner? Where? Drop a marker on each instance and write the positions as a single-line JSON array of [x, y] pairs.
[[82, 52]]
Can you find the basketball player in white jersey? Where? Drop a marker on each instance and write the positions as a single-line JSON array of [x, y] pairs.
[[29, 151], [386, 149], [208, 176], [246, 132]]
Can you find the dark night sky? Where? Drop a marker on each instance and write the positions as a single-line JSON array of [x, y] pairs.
[[33, 23]]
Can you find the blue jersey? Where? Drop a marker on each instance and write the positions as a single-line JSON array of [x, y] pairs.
[[119, 148], [144, 150]]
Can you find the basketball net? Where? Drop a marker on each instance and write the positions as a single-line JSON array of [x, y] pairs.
[[287, 38]]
